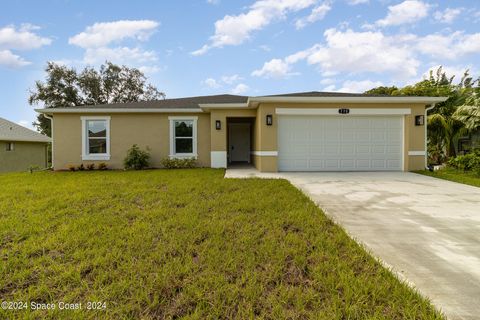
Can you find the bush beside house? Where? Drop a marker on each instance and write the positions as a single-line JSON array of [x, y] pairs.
[[137, 158]]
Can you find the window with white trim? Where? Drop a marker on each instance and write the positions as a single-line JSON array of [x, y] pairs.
[[95, 138], [10, 146], [183, 136]]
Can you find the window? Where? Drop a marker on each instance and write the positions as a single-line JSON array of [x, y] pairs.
[[9, 146], [183, 136], [96, 138]]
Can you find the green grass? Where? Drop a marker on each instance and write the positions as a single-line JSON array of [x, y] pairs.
[[451, 174], [185, 244]]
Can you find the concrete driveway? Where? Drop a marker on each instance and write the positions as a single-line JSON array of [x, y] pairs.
[[426, 229]]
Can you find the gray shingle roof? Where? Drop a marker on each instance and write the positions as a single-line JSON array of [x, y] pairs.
[[325, 94], [184, 103], [10, 131], [195, 102]]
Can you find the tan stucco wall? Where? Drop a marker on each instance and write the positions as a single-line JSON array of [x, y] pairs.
[[152, 130], [24, 155], [143, 129], [266, 136]]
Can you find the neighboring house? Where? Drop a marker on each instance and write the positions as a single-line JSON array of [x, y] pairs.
[[21, 148], [309, 131], [467, 143]]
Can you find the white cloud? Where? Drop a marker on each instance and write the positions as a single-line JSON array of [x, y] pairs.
[[358, 52], [149, 69], [265, 48], [231, 79], [236, 29], [448, 15], [101, 34], [7, 58], [355, 2], [23, 38], [241, 88], [122, 55], [327, 81], [318, 13], [213, 1], [373, 52], [98, 41], [359, 86], [224, 81], [329, 88], [408, 11], [211, 83], [449, 46], [352, 53], [275, 68]]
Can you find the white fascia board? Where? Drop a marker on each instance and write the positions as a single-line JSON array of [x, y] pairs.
[[13, 139], [334, 111], [119, 110], [232, 106], [390, 99]]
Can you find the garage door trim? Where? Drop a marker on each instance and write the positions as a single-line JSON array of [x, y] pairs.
[[334, 111]]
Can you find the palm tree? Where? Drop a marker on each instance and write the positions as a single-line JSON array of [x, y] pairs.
[[443, 131], [469, 113]]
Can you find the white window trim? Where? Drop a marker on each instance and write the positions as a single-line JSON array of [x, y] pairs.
[[85, 153], [172, 137]]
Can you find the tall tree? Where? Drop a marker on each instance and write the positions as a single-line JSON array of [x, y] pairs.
[[65, 87]]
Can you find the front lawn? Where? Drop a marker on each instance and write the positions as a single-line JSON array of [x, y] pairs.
[[470, 178], [185, 244]]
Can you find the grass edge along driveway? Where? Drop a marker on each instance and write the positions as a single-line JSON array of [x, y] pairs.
[[185, 244], [450, 174]]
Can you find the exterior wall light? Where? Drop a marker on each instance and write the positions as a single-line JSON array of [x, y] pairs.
[[269, 120], [218, 124], [420, 120]]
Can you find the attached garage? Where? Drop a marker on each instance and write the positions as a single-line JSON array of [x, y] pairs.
[[352, 142]]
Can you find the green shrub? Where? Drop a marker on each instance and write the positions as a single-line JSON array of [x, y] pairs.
[[81, 167], [468, 162], [102, 166], [176, 163], [91, 166], [136, 158]]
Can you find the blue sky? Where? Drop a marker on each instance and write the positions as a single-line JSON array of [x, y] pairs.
[[245, 47]]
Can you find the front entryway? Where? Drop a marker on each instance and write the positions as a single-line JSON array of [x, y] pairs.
[[239, 140]]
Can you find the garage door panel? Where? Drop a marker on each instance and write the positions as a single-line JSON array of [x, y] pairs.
[[347, 149], [363, 149], [340, 143]]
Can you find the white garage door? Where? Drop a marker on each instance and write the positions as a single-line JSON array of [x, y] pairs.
[[340, 143]]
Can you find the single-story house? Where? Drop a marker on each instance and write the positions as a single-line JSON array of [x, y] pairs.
[[21, 148], [308, 131]]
